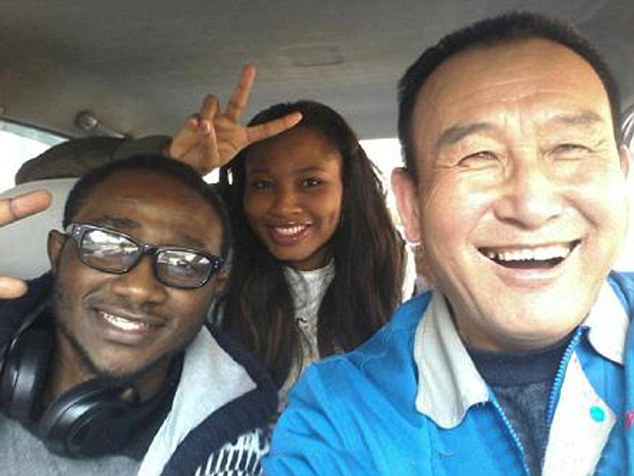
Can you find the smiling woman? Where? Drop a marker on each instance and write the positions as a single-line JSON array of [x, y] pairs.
[[319, 263]]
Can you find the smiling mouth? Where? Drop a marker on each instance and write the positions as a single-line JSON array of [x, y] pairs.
[[291, 230], [539, 257], [289, 234], [124, 324]]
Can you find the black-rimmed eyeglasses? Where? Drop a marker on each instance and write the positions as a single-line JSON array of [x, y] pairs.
[[115, 252]]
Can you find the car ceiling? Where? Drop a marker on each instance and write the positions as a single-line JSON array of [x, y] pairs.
[[141, 66]]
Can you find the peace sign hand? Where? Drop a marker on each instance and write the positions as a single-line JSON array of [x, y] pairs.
[[211, 138]]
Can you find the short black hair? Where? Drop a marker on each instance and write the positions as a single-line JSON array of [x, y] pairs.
[[489, 32], [156, 163]]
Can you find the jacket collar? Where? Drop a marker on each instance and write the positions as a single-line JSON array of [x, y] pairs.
[[448, 382], [608, 323], [210, 379]]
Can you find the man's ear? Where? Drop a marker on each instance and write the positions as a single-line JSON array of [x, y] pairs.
[[406, 196], [219, 280], [55, 244], [624, 153]]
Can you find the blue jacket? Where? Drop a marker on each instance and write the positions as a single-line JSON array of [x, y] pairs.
[[410, 402]]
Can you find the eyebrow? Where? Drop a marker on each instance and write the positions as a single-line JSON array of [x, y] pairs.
[[457, 133], [114, 222], [312, 168], [584, 118], [125, 225], [190, 241]]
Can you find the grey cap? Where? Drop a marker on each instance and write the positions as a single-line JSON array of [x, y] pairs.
[[77, 156]]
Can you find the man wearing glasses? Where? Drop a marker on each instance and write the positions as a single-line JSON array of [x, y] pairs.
[[109, 367]]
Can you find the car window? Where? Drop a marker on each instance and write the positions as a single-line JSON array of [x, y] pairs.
[[20, 143]]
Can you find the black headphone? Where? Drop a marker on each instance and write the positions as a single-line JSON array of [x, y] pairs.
[[91, 419]]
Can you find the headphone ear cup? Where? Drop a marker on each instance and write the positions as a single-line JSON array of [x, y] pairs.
[[23, 373], [80, 422]]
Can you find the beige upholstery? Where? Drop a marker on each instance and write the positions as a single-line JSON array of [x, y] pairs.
[[23, 243]]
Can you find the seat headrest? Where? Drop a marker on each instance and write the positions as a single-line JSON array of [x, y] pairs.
[[23, 243]]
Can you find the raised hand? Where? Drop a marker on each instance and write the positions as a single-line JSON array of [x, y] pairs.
[[212, 137], [12, 209]]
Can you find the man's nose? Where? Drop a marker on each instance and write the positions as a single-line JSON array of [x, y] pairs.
[[140, 284], [531, 195]]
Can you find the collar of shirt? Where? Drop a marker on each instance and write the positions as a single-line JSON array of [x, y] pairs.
[[308, 288], [448, 382]]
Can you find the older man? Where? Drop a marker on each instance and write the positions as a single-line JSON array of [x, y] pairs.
[[517, 363], [107, 366]]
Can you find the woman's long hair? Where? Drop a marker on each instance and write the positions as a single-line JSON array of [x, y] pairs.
[[258, 307]]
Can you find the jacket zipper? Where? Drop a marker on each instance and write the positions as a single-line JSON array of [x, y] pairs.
[[557, 383], [559, 376], [559, 380], [507, 423]]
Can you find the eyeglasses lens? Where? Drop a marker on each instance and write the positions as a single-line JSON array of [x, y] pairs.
[[182, 268], [109, 251]]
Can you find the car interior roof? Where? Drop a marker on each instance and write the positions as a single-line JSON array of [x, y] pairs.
[[141, 66]]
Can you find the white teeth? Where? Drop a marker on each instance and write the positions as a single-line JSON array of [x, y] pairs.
[[289, 230], [123, 323], [543, 253]]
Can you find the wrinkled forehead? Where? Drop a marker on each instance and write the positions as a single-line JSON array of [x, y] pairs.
[[484, 80]]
